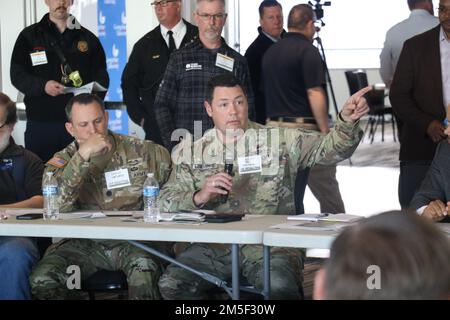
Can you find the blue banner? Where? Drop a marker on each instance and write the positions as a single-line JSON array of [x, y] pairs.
[[112, 32], [118, 121]]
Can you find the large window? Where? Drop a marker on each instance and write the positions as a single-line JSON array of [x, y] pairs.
[[353, 34]]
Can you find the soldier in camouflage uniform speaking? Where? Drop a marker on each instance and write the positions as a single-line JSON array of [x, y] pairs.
[[80, 169], [265, 161]]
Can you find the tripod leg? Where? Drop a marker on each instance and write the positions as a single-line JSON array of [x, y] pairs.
[[327, 72]]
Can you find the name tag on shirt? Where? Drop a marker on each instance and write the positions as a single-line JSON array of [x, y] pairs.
[[117, 179], [252, 164], [225, 62], [38, 58]]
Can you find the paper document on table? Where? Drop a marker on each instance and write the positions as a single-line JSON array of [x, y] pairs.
[[182, 216], [81, 215], [87, 88], [312, 225], [339, 217], [308, 217], [16, 212]]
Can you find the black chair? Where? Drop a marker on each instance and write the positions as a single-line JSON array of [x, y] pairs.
[[105, 281], [357, 79]]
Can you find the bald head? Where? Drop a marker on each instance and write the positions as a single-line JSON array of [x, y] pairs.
[[299, 16], [301, 20]]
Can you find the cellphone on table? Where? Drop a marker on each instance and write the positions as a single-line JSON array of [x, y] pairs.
[[223, 217], [29, 216]]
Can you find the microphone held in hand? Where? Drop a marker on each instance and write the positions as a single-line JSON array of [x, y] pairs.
[[229, 170]]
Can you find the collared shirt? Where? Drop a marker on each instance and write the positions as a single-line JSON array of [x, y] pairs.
[[444, 43], [270, 37], [32, 177], [290, 68], [179, 31], [418, 21], [181, 96]]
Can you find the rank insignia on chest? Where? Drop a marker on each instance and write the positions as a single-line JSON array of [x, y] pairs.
[[82, 46]]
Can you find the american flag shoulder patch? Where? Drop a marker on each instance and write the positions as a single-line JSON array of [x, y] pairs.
[[57, 162]]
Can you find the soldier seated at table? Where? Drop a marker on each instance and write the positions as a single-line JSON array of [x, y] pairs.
[[265, 161], [20, 187], [82, 171]]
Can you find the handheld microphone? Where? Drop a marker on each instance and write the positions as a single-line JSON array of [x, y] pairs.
[[229, 170]]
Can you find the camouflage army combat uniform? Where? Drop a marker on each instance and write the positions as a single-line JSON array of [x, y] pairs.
[[83, 186], [268, 192]]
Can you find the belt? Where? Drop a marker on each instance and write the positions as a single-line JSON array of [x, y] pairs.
[[293, 120]]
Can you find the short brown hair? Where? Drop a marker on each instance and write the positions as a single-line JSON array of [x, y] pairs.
[[84, 98], [412, 254], [11, 109]]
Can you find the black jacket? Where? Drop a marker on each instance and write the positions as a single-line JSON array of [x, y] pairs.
[[81, 48], [254, 56], [143, 74]]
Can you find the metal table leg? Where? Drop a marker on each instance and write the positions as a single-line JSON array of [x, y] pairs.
[[266, 270], [235, 271], [234, 292]]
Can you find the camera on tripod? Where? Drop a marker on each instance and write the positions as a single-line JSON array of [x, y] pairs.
[[318, 10]]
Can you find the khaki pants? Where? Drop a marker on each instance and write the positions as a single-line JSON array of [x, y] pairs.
[[322, 179]]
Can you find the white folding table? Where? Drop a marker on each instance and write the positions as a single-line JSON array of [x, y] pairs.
[[248, 231]]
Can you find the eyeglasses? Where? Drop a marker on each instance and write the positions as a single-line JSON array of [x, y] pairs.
[[162, 3], [208, 17], [444, 10]]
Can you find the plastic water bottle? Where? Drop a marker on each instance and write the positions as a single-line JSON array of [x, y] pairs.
[[51, 197], [150, 193]]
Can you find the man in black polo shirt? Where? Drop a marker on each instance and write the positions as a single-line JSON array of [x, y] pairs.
[[294, 82], [20, 187]]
